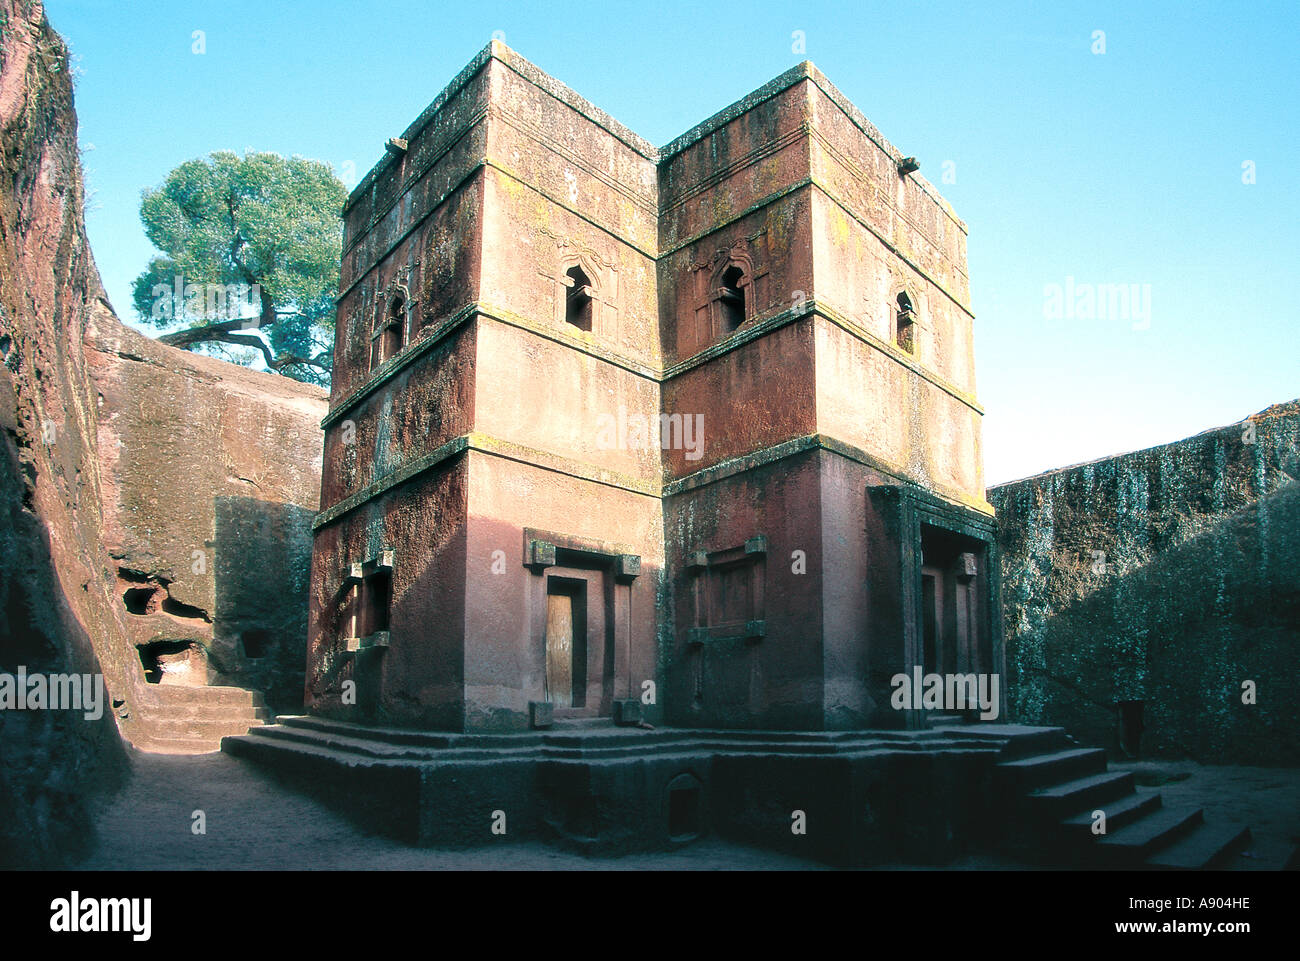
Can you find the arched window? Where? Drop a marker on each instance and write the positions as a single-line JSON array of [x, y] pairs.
[[394, 332], [905, 323], [577, 302], [732, 298]]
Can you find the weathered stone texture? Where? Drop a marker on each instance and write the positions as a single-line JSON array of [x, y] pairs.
[[1166, 576], [210, 476], [121, 458], [57, 611]]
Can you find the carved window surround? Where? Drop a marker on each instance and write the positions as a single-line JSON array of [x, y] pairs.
[[360, 592], [727, 589], [601, 288], [711, 289], [394, 308]]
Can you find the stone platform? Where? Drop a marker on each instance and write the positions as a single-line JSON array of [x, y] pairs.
[[861, 797]]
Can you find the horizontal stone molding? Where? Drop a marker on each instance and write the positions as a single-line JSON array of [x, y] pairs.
[[799, 445], [544, 460]]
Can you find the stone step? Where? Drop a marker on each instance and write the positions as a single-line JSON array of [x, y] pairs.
[[1031, 741], [257, 745], [382, 750], [1089, 792], [384, 794], [619, 744], [1025, 774], [1139, 840], [391, 735], [414, 801], [206, 729], [177, 745], [591, 735], [1016, 740], [168, 696], [815, 740], [203, 712], [710, 745], [944, 720], [1206, 846], [1119, 812]]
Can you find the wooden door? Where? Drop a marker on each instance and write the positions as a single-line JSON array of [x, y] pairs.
[[559, 649]]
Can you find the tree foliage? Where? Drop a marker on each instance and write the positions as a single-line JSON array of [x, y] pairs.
[[250, 258]]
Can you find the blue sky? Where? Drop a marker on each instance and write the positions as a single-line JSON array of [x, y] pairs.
[[1071, 166]]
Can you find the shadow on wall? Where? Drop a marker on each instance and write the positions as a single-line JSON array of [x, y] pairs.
[[1155, 661], [262, 561], [52, 762]]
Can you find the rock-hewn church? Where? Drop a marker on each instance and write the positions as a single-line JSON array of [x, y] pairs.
[[686, 435]]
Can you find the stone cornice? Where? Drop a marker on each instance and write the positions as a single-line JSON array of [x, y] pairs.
[[544, 460]]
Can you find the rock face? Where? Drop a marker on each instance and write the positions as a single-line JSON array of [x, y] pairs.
[[1143, 591], [122, 458], [211, 476], [57, 611]]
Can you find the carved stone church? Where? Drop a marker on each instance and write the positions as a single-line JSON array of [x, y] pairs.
[[682, 435]]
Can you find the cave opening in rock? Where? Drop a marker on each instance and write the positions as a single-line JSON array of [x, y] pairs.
[[138, 599], [154, 654], [179, 609]]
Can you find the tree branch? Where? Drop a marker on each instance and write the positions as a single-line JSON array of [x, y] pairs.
[[287, 360], [247, 340], [206, 332]]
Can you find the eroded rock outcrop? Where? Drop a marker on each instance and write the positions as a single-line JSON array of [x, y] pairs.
[[57, 612]]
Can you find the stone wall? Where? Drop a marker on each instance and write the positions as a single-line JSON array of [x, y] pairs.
[[120, 458], [210, 476], [1169, 577]]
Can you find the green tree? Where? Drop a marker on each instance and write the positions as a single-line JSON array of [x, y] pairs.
[[251, 248]]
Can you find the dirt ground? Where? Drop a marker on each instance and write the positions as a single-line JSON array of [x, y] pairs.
[[255, 823]]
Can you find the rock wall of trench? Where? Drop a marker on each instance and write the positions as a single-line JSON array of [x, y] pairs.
[[121, 459], [1153, 586]]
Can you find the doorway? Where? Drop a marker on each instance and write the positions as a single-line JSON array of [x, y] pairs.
[[566, 642], [931, 617], [952, 637]]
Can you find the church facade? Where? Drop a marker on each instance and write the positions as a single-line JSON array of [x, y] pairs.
[[683, 434]]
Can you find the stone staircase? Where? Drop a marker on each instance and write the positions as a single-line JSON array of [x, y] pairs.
[[181, 719], [1053, 786], [347, 743]]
